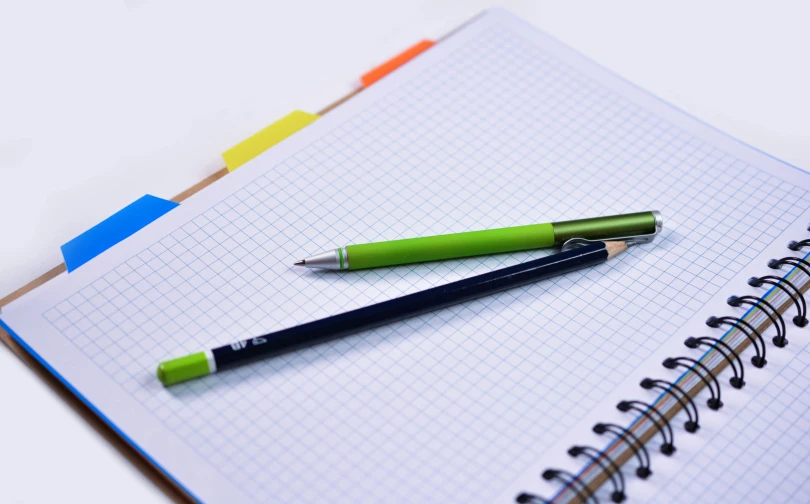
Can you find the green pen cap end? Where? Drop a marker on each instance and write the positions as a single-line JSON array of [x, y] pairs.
[[183, 368], [641, 227]]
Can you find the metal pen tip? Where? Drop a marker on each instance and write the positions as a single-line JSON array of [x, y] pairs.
[[300, 263]]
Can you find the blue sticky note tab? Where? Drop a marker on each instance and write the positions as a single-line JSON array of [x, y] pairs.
[[113, 229]]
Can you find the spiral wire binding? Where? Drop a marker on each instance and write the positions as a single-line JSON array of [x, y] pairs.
[[781, 329], [758, 360], [643, 471], [800, 319], [612, 469], [691, 425], [738, 380], [801, 264], [668, 446], [700, 374], [673, 362]]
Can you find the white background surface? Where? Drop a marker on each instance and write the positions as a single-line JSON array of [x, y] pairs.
[[102, 102]]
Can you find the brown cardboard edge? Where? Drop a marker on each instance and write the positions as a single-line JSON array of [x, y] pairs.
[[144, 465]]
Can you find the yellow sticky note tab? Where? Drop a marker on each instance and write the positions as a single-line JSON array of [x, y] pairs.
[[248, 149]]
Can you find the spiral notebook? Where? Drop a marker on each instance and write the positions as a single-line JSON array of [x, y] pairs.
[[497, 125]]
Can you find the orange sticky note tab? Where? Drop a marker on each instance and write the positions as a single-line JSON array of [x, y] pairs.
[[397, 61], [248, 149]]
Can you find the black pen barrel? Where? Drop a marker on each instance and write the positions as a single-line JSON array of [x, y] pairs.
[[407, 306]]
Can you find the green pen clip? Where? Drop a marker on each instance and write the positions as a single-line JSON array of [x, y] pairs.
[[630, 239]]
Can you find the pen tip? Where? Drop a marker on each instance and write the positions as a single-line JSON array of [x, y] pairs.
[[300, 263]]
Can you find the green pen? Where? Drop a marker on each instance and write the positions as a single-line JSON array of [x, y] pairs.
[[633, 228]]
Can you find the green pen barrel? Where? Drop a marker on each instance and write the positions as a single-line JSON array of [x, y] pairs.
[[436, 248], [497, 241], [610, 227]]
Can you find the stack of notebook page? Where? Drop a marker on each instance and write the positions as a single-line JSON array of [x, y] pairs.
[[510, 397]]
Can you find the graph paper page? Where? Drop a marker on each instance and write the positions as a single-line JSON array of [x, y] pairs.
[[497, 125]]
